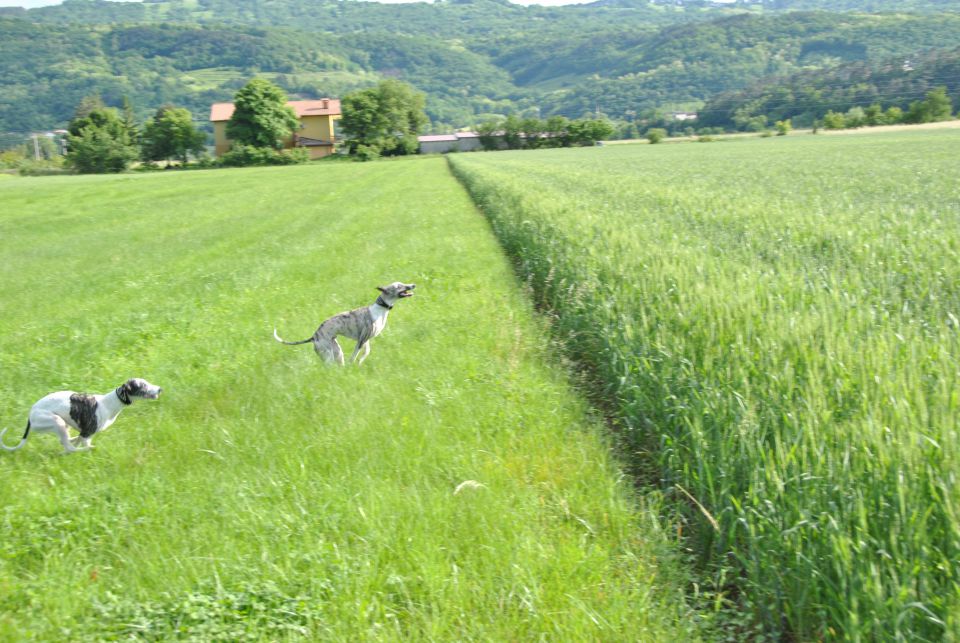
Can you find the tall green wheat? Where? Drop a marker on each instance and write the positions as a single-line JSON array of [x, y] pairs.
[[777, 322]]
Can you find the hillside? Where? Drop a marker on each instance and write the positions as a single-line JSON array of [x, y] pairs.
[[472, 57], [802, 97], [692, 62]]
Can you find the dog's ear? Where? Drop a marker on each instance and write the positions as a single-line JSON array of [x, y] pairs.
[[381, 289]]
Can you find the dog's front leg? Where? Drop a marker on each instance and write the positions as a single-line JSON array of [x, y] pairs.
[[366, 351], [82, 443]]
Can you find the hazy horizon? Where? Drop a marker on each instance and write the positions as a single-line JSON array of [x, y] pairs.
[[35, 4]]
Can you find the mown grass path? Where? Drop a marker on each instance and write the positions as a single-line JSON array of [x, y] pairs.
[[266, 496]]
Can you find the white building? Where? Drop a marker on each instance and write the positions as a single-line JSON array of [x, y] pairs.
[[443, 143]]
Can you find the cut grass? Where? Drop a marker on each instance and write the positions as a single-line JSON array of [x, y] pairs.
[[267, 496], [777, 321]]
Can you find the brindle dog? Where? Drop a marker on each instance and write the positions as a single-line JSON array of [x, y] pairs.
[[361, 324]]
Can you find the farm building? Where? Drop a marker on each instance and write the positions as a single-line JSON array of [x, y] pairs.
[[317, 132], [442, 143]]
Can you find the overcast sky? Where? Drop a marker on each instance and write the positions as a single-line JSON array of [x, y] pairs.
[[30, 4]]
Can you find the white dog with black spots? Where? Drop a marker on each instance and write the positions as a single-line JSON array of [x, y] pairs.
[[89, 414]]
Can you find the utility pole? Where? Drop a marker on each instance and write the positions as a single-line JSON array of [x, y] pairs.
[[36, 147]]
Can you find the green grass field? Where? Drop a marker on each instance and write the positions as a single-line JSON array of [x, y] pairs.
[[267, 496], [776, 323]]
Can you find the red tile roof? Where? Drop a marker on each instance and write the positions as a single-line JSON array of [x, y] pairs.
[[321, 107]]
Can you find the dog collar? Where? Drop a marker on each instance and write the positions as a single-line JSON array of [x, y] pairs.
[[381, 302], [123, 397]]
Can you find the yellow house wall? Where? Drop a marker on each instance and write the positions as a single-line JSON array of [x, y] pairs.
[[321, 128], [318, 127], [220, 143]]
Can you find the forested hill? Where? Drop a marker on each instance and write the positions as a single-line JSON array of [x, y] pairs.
[[805, 96], [472, 58]]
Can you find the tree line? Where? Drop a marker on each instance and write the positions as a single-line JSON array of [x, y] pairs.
[[103, 139], [380, 121], [515, 133]]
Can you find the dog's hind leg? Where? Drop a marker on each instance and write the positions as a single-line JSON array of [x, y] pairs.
[[337, 351], [63, 433], [53, 423], [329, 350]]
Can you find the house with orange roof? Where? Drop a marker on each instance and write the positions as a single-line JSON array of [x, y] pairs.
[[317, 132]]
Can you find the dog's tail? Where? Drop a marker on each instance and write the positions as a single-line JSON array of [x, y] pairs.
[[22, 440], [283, 341]]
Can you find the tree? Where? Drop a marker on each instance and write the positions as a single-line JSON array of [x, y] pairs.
[[533, 132], [170, 134], [100, 142], [558, 131], [874, 115], [513, 132], [261, 116], [935, 107], [383, 120], [855, 117], [88, 105], [129, 119], [656, 134], [490, 134], [893, 115], [834, 120], [588, 131]]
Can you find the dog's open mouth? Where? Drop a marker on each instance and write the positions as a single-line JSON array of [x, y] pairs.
[[406, 293]]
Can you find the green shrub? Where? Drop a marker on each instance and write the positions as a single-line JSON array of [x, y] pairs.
[[656, 134], [855, 117], [248, 155], [294, 156], [367, 153], [893, 115], [834, 120]]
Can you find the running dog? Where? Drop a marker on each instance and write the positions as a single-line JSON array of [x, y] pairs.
[[88, 414], [361, 324]]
